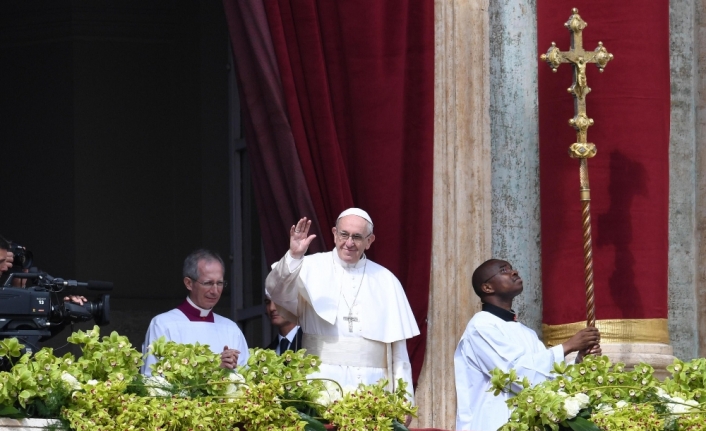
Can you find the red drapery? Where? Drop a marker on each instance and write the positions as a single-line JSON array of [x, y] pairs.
[[357, 85], [629, 177]]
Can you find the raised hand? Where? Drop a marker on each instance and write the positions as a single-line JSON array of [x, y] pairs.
[[299, 238]]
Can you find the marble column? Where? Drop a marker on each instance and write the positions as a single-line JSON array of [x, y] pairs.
[[686, 183], [700, 201], [515, 149], [462, 196]]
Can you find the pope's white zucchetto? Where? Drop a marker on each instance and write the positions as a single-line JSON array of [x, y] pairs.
[[356, 211]]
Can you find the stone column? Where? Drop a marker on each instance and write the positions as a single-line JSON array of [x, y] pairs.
[[700, 85], [685, 229], [515, 148], [462, 196]]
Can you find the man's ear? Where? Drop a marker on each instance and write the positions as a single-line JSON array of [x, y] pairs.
[[188, 283], [370, 240], [487, 288]]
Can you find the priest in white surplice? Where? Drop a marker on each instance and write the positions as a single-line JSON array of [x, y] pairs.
[[194, 320], [353, 312], [495, 339]]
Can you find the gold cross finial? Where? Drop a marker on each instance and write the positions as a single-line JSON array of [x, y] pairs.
[[579, 89]]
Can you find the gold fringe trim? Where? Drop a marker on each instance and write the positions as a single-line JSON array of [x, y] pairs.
[[612, 331]]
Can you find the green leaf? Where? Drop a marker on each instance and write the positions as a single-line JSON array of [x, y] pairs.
[[311, 423], [396, 426], [11, 412], [580, 424]]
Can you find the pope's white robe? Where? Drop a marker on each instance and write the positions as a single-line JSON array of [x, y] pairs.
[[320, 290], [175, 326], [490, 342]]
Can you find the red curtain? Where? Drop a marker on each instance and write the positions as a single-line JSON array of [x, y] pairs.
[[629, 177], [357, 84]]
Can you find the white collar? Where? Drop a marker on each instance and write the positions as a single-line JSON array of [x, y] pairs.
[[357, 265], [202, 311], [290, 336]]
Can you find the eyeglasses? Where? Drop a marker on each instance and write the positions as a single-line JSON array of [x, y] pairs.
[[210, 284], [503, 270], [356, 237]]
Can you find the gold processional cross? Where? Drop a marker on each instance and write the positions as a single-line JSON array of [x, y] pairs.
[[581, 149]]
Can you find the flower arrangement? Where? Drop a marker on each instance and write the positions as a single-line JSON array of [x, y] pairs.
[[103, 390], [597, 395]]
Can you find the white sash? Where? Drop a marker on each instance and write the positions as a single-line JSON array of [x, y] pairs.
[[348, 351]]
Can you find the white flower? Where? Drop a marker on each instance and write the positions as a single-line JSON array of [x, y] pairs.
[[236, 377], [157, 386], [680, 405], [70, 381], [572, 407], [606, 409], [329, 394], [237, 388], [582, 399], [621, 404]]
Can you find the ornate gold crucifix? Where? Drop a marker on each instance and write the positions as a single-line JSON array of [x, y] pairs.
[[581, 149]]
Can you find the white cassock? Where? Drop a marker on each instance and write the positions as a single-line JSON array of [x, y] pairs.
[[356, 318], [182, 327], [492, 342]]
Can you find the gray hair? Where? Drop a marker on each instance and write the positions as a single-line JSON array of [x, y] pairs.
[[368, 227], [191, 263]]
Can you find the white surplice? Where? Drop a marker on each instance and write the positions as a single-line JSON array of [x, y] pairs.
[[320, 291], [175, 326], [490, 342]]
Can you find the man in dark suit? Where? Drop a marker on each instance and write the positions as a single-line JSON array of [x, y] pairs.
[[289, 336]]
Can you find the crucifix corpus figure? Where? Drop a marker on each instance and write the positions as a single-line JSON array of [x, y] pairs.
[[581, 149], [353, 312]]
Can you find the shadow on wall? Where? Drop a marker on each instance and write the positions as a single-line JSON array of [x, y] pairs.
[[626, 181]]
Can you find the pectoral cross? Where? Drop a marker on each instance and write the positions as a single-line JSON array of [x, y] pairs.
[[581, 149], [350, 319]]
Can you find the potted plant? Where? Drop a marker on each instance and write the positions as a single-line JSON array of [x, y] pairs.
[[597, 395], [103, 390]]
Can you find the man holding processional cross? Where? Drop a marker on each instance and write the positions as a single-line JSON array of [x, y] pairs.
[[353, 312]]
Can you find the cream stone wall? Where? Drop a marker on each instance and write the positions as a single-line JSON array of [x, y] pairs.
[[462, 196]]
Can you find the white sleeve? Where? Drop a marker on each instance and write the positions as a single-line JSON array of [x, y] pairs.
[[401, 367], [283, 285], [242, 347], [293, 263], [153, 333], [492, 349]]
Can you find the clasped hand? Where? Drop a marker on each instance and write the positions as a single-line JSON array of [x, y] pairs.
[[229, 358]]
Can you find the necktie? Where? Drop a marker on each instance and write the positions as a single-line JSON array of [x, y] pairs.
[[283, 345]]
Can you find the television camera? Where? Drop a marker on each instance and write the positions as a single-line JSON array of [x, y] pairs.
[[38, 311]]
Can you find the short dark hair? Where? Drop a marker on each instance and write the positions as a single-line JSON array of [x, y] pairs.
[[191, 263], [480, 275], [4, 244]]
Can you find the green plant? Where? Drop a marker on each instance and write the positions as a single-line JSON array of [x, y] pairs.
[[103, 390], [597, 395]]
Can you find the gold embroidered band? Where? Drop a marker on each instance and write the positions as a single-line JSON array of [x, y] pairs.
[[612, 331]]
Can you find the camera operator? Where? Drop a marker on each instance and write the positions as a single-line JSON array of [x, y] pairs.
[[7, 258]]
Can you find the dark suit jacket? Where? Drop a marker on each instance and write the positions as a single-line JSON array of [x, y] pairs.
[[295, 345]]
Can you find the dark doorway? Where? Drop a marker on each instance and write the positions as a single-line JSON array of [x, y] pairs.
[[118, 133]]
